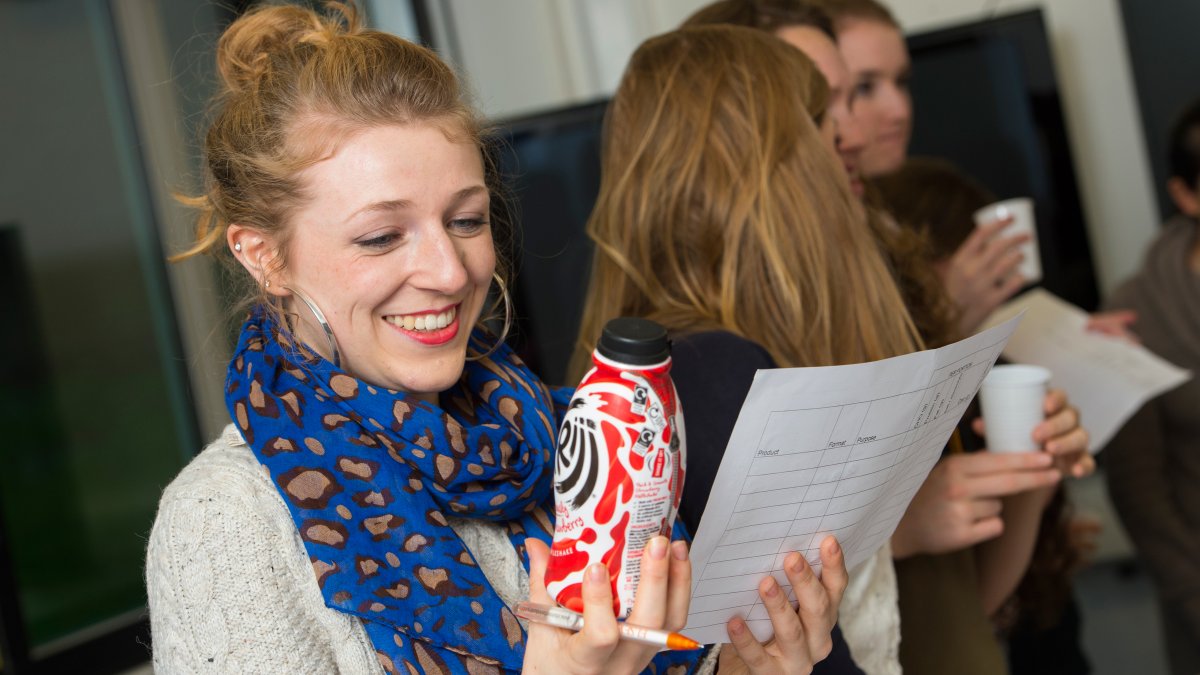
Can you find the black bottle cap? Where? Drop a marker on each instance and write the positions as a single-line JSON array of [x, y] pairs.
[[637, 342]]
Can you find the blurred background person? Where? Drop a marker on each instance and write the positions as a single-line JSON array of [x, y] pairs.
[[1153, 464]]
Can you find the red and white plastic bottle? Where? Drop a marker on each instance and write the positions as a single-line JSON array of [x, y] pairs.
[[618, 474]]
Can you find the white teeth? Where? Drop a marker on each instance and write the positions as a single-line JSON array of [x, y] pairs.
[[425, 321]]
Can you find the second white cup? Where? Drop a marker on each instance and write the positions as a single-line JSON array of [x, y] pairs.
[[1012, 400], [1021, 211]]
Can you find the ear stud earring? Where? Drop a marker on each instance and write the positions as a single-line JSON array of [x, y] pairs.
[[238, 247]]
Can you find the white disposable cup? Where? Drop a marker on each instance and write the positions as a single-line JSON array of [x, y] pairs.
[[1021, 211], [1012, 398]]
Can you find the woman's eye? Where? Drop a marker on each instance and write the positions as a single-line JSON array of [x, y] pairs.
[[864, 89], [466, 226], [381, 241]]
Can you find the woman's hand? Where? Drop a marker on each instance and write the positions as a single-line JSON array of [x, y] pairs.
[[959, 504], [982, 273], [1115, 324], [1060, 435], [661, 602], [802, 634]]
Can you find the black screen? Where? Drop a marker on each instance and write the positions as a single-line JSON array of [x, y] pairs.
[[986, 98]]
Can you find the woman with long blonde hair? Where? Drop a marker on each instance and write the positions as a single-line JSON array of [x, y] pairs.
[[721, 208], [725, 215]]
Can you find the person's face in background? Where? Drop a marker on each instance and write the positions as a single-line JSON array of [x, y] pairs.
[[878, 61], [848, 139], [394, 246]]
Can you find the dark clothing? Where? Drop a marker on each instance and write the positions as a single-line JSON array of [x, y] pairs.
[[1033, 650], [712, 373], [1153, 463]]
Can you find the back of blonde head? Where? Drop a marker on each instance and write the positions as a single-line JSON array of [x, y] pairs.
[[721, 207]]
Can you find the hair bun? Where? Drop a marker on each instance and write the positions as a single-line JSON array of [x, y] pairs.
[[260, 38]]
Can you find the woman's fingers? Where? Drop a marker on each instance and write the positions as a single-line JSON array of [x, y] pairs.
[[1012, 482], [981, 236], [539, 557], [1074, 441], [1003, 263], [679, 591], [748, 648], [1084, 467], [982, 509], [1055, 400], [1059, 424], [1011, 284], [834, 576], [1116, 324], [786, 624], [600, 633], [984, 530], [983, 463], [650, 602]]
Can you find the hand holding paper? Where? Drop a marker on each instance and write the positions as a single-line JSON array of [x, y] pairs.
[[1107, 378], [816, 451]]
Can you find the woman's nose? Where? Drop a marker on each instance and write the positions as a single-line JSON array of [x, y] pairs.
[[439, 262]]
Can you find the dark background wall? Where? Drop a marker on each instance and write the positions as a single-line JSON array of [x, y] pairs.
[[1164, 48]]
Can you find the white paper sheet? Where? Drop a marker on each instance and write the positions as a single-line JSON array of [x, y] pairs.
[[1106, 378], [837, 450]]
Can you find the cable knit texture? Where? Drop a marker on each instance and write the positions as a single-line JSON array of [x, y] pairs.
[[229, 584], [870, 615], [231, 589]]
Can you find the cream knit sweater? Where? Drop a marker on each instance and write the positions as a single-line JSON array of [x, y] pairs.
[[230, 586], [870, 615], [231, 589]]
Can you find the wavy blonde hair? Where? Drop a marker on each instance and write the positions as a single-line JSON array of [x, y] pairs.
[[294, 83], [721, 207]]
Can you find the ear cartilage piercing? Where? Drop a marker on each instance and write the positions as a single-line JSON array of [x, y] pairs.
[[238, 247]]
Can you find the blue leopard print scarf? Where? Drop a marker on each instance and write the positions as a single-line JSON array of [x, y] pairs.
[[370, 474]]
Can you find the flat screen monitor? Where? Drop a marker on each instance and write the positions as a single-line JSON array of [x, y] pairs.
[[552, 163], [986, 98]]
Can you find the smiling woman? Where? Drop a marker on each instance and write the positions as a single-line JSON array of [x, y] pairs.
[[382, 499], [396, 251]]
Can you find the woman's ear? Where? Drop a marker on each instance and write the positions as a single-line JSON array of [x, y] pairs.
[[257, 253], [1186, 199]]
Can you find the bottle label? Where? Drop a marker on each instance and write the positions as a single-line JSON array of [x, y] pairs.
[[617, 479]]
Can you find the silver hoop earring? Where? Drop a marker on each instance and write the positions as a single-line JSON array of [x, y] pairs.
[[336, 355], [508, 312]]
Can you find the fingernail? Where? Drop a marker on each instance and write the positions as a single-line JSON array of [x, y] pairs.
[[597, 573], [834, 546], [772, 587], [737, 627], [679, 549], [793, 562], [658, 548]]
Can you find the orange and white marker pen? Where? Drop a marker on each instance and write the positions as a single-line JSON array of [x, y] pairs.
[[560, 617]]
